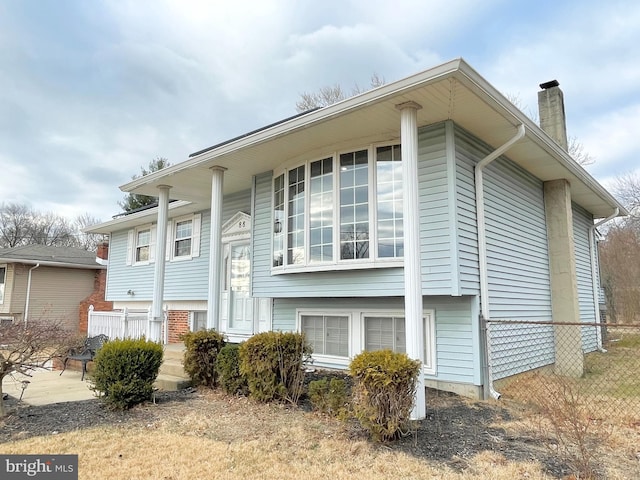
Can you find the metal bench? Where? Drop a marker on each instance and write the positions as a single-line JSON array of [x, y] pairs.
[[86, 353]]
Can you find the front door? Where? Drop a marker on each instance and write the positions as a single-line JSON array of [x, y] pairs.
[[240, 300]]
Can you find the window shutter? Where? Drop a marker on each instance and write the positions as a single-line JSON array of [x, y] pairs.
[[169, 252], [153, 231], [130, 246], [195, 235]]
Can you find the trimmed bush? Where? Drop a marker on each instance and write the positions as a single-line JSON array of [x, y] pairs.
[[383, 391], [202, 348], [329, 396], [273, 364], [124, 372], [228, 369]]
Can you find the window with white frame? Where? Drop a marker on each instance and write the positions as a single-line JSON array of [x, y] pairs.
[[388, 332], [340, 209], [184, 233], [143, 245], [3, 275], [327, 334], [198, 320]]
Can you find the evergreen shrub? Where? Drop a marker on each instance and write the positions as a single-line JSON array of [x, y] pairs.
[[383, 391], [124, 372], [228, 369], [202, 348], [329, 396], [273, 364]]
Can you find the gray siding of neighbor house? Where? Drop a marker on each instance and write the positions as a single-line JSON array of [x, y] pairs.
[[456, 352], [517, 256], [184, 280], [582, 222], [56, 294], [437, 243]]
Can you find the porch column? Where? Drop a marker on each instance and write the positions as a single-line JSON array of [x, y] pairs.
[[215, 249], [413, 311], [157, 315]]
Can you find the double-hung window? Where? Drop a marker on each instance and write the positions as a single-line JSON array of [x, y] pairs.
[[343, 209], [143, 245], [182, 241], [3, 276]]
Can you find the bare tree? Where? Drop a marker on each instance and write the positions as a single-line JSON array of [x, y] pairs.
[[52, 230], [28, 347], [627, 189], [88, 241], [15, 224], [619, 259], [329, 95], [134, 201]]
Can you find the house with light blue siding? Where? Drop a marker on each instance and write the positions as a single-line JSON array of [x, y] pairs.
[[404, 218]]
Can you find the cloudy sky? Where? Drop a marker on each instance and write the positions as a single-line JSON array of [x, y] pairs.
[[90, 91]]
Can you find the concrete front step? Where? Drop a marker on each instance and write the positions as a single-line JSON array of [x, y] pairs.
[[171, 383], [173, 367], [172, 376]]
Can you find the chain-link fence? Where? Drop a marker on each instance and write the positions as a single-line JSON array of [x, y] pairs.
[[593, 367]]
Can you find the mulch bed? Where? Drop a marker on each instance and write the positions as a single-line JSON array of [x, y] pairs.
[[454, 430]]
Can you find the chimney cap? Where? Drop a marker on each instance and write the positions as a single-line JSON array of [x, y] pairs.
[[549, 84]]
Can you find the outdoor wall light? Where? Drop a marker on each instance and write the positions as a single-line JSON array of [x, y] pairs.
[[131, 292]]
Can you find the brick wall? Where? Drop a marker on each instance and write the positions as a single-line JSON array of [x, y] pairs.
[[178, 324], [96, 299]]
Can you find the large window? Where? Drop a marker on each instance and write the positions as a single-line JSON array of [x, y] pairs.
[[389, 184], [342, 209], [3, 275]]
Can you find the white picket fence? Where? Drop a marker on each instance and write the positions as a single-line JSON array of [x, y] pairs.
[[124, 324]]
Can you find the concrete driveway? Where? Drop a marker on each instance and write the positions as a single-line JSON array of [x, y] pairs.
[[47, 386]]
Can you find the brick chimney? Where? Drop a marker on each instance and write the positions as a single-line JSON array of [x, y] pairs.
[[551, 111], [103, 251]]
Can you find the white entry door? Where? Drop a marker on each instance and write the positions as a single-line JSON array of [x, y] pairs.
[[240, 300]]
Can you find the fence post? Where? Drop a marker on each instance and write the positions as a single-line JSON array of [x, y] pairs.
[[125, 323], [165, 323], [89, 321], [149, 323]]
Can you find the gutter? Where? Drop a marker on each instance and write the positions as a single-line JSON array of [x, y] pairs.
[[594, 273], [26, 306], [482, 244]]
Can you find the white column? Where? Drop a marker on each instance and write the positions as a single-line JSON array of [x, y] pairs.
[[412, 275], [155, 332], [215, 249]]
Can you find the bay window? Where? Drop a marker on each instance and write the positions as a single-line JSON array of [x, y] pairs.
[[343, 209]]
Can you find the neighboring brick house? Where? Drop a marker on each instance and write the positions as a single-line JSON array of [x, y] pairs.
[[40, 282]]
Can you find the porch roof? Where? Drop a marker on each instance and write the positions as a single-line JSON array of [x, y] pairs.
[[451, 91]]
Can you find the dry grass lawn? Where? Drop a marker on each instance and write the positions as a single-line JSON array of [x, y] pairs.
[[215, 436]]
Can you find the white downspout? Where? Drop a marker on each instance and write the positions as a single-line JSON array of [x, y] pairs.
[[26, 306], [482, 241], [594, 273]]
